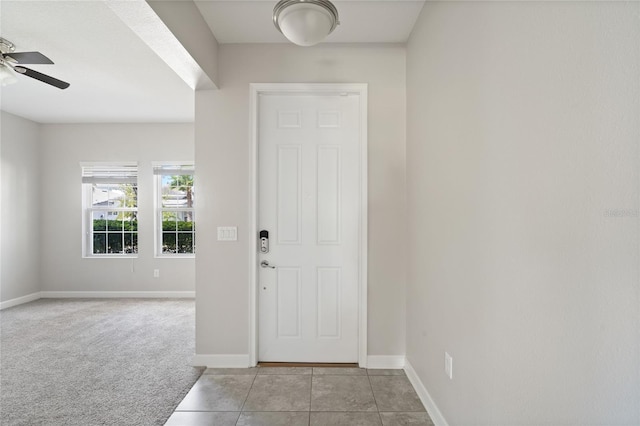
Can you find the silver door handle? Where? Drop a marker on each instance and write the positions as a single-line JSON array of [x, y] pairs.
[[265, 264]]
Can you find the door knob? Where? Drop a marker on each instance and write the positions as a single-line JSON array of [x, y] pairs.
[[265, 264]]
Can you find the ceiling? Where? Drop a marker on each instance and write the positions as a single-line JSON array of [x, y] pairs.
[[117, 77], [361, 21], [114, 75]]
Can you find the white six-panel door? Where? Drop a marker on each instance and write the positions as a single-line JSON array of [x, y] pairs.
[[308, 201]]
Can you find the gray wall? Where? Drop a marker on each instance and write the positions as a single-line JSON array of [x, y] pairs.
[[63, 147], [222, 152], [184, 20], [20, 207], [522, 174]]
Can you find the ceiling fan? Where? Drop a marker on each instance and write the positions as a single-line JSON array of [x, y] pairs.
[[14, 60]]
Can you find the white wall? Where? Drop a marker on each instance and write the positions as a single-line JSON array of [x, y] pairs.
[[522, 174], [19, 224], [222, 149], [63, 147]]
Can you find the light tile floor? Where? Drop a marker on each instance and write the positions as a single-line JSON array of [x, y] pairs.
[[292, 396]]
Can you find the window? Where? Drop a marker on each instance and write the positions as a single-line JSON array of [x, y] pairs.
[[111, 209], [175, 203]]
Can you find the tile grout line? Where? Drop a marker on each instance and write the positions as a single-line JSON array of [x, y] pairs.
[[246, 397], [310, 395], [374, 397]]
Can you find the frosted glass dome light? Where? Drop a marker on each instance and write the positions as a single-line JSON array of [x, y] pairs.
[[305, 22], [6, 76]]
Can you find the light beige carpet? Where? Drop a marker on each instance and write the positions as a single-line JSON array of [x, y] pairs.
[[95, 361]]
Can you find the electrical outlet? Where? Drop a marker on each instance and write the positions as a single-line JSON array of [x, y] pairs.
[[156, 273], [448, 365]]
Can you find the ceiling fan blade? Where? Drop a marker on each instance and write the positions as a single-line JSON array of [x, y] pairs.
[[29, 57], [42, 77]]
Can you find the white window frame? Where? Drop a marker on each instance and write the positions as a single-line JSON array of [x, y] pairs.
[[170, 168], [106, 173]]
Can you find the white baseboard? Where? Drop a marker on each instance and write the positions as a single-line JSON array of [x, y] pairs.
[[385, 361], [427, 401], [220, 361], [20, 300], [118, 294], [97, 294]]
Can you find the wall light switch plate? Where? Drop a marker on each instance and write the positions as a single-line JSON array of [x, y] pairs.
[[448, 365], [227, 233]]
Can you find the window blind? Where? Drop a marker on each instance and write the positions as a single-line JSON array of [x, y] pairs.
[[110, 173], [173, 169]]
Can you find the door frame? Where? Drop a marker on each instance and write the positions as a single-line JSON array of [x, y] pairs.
[[256, 89]]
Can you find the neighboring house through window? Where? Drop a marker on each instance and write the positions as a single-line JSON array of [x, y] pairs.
[[111, 208], [175, 205]]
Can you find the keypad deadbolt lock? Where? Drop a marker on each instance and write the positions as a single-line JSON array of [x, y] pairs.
[[264, 241]]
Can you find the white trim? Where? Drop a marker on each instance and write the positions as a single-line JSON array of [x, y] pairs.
[[255, 89], [19, 300], [220, 361], [423, 394], [386, 361], [108, 163], [253, 226], [363, 226], [97, 294], [110, 256], [118, 294]]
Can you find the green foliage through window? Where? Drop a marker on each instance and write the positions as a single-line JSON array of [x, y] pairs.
[[176, 211], [115, 236]]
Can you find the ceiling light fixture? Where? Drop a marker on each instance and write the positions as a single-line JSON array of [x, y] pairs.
[[305, 22], [6, 74]]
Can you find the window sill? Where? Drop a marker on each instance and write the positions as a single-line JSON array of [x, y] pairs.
[[110, 256], [175, 256]]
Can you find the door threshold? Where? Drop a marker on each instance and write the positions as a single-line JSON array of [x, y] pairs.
[[308, 364]]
